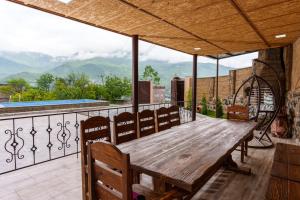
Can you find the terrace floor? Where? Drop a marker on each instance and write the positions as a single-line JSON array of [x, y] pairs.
[[61, 180]]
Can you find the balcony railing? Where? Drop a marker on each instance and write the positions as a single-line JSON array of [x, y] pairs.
[[28, 140]]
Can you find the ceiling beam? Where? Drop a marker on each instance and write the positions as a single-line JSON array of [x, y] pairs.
[[171, 24], [247, 19]]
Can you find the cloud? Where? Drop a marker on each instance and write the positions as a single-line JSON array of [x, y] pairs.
[[26, 29]]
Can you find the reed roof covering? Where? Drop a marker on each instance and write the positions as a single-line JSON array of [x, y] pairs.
[[215, 26]]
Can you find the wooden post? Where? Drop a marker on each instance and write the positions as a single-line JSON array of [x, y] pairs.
[[217, 83], [135, 73], [194, 88]]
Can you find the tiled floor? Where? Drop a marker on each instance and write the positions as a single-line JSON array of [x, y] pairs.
[[56, 180], [61, 180]]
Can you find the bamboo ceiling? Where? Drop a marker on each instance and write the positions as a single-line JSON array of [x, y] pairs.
[[215, 26]]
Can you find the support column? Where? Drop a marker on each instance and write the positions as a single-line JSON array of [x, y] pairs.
[[135, 73], [194, 88], [217, 83]]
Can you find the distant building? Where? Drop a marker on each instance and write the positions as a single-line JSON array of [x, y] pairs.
[[150, 93]]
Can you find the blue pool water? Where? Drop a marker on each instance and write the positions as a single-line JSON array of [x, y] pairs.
[[45, 103]]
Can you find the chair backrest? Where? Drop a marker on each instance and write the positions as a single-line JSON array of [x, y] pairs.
[[238, 112], [125, 127], [94, 128], [146, 120], [109, 172], [174, 115], [162, 116]]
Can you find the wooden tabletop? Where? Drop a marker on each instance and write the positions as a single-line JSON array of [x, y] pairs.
[[189, 154]]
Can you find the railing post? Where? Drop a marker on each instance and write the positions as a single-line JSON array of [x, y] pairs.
[[135, 73], [217, 83], [194, 87]]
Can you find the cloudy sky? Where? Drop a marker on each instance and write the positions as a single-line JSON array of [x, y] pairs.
[[26, 29]]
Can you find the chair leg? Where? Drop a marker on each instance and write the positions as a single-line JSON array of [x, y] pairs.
[[242, 151]]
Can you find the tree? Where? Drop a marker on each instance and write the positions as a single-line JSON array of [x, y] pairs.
[[45, 81], [204, 106], [219, 108], [74, 86], [114, 88], [14, 86], [151, 75]]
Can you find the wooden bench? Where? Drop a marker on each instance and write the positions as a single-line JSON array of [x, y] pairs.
[[284, 183]]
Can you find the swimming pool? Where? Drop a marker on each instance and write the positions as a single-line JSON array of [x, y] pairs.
[[12, 107], [45, 103]]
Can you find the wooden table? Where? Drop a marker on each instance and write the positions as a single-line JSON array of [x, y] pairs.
[[188, 155]]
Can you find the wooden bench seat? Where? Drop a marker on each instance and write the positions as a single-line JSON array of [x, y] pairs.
[[284, 183]]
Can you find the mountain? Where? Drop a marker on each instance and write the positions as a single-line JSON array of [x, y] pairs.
[[30, 65], [36, 61], [28, 76], [122, 67], [8, 67]]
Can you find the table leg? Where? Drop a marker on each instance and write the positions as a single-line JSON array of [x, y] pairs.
[[160, 185], [233, 166]]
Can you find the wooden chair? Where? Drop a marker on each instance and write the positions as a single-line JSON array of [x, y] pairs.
[[162, 118], [174, 115], [125, 127], [94, 128], [146, 124], [240, 113], [110, 176]]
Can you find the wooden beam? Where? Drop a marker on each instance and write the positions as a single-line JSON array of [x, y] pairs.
[[247, 19], [194, 88], [171, 24], [135, 73]]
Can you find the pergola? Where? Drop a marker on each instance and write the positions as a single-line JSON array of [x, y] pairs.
[[214, 28]]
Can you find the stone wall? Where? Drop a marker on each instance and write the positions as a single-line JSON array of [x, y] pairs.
[[293, 95]]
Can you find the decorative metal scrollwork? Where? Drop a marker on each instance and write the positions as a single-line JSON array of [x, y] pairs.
[[14, 145], [63, 135]]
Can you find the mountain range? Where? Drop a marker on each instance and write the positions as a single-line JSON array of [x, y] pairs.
[[29, 65]]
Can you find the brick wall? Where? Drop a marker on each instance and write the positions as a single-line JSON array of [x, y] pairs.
[[227, 84]]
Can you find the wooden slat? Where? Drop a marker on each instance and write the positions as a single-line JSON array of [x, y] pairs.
[[102, 192], [107, 155], [108, 176], [181, 155], [125, 127]]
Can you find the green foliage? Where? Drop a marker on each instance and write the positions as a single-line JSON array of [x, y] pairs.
[[204, 106], [189, 100], [114, 88], [219, 108], [73, 86], [44, 81], [151, 75]]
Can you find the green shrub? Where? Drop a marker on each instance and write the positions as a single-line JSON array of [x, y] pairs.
[[189, 100], [219, 109], [204, 106]]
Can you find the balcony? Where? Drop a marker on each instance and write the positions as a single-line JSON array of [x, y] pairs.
[[61, 179]]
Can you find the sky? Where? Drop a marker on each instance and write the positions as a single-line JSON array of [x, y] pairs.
[[26, 29]]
